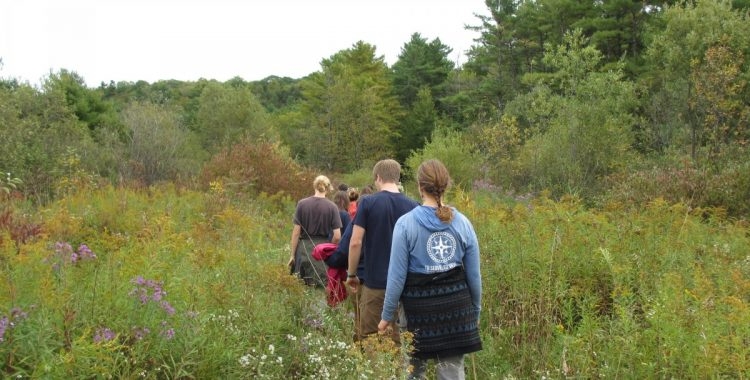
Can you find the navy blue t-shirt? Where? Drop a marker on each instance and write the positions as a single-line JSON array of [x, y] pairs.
[[345, 219], [377, 214]]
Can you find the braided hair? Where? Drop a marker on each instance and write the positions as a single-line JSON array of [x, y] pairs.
[[433, 179]]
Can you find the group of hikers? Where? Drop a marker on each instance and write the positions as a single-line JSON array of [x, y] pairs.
[[407, 266]]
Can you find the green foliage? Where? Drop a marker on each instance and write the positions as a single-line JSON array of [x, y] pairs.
[[421, 65], [499, 59], [87, 104], [226, 113], [588, 136], [450, 147], [682, 59], [459, 105], [360, 178], [37, 129], [277, 93], [718, 101], [417, 125], [574, 293], [499, 144], [727, 190], [158, 147], [8, 184], [172, 283], [291, 126], [348, 111]]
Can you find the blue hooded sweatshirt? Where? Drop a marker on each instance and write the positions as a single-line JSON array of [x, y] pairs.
[[422, 243]]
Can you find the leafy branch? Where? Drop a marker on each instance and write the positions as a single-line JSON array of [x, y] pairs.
[[9, 183]]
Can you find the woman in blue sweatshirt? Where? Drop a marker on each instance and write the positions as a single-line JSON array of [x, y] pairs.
[[434, 272]]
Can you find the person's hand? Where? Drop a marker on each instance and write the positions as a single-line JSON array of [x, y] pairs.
[[383, 326], [353, 283], [290, 264]]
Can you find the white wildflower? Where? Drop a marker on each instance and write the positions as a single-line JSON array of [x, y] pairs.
[[245, 361]]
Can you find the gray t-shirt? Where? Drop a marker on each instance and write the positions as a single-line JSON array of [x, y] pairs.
[[317, 216]]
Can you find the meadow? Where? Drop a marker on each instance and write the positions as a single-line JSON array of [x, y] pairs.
[[169, 283]]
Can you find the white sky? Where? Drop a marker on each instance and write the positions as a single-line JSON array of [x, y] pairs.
[[152, 40]]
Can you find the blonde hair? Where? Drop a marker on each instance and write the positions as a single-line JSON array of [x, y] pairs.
[[322, 184], [433, 179], [389, 171]]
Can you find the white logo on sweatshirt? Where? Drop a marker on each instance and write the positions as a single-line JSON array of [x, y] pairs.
[[441, 246]]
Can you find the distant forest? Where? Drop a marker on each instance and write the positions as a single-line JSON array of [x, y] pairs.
[[616, 102]]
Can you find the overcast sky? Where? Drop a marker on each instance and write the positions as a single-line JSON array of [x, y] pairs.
[[151, 40]]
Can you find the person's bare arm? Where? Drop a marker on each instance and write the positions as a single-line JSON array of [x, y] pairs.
[[293, 243], [336, 236], [355, 252]]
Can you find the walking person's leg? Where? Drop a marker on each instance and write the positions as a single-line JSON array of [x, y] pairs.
[[357, 300], [418, 368], [450, 368]]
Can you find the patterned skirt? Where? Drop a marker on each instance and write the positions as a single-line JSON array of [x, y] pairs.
[[311, 271], [440, 314]]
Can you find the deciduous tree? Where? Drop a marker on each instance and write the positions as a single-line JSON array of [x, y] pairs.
[[679, 55], [226, 113], [158, 146]]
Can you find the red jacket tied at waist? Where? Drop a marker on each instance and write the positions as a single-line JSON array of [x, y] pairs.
[[335, 290]]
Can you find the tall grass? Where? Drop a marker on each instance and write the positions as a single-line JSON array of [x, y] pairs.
[[570, 292], [184, 284]]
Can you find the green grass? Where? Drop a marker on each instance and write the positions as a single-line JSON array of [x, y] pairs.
[[569, 292]]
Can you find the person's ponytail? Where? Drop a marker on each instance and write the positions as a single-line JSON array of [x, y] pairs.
[[433, 179], [443, 212]]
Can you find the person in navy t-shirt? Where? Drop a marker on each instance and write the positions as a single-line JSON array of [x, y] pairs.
[[373, 232]]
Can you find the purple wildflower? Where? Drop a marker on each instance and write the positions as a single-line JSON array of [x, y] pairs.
[[168, 334], [141, 294], [103, 334], [64, 253], [85, 252], [16, 314], [148, 290], [63, 248], [167, 307], [158, 292], [140, 332]]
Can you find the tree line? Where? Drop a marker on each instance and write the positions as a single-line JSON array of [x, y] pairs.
[[615, 101]]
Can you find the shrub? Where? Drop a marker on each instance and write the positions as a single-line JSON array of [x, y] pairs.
[[20, 229], [255, 167], [727, 188], [449, 147]]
